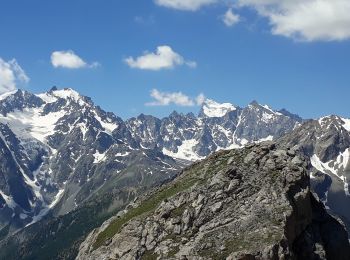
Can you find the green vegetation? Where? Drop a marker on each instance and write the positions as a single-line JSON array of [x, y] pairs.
[[149, 255], [252, 241], [146, 207], [274, 175], [198, 173], [177, 212], [173, 251]]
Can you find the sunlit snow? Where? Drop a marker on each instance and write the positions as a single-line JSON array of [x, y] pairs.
[[214, 109]]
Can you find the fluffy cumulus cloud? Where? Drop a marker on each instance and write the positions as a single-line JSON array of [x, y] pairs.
[[308, 20], [174, 98], [11, 74], [163, 58], [69, 60], [230, 18], [186, 5], [305, 20]]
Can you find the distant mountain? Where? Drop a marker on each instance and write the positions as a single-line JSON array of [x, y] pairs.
[[218, 126], [58, 149]]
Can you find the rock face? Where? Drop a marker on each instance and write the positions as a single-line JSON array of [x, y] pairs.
[[217, 127], [58, 149], [250, 203], [327, 142]]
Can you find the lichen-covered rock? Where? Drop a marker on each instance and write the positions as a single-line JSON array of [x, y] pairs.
[[251, 203]]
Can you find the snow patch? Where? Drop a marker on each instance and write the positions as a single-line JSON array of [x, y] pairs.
[[185, 151], [99, 157], [109, 127], [9, 200], [47, 98], [47, 208], [269, 138], [266, 117], [346, 124], [122, 154], [23, 216], [69, 94], [270, 109], [214, 109], [7, 94], [31, 123], [335, 167]]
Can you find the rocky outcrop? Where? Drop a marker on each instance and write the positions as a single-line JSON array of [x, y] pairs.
[[250, 203], [327, 142]]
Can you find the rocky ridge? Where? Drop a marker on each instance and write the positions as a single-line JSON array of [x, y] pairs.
[[250, 203]]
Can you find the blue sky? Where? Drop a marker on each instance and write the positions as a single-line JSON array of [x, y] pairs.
[[254, 56]]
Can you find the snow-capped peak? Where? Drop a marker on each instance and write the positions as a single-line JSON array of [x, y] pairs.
[[255, 104], [6, 94], [210, 108], [67, 93]]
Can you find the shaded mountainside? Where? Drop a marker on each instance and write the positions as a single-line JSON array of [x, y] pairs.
[[327, 142], [59, 236], [59, 149], [250, 203]]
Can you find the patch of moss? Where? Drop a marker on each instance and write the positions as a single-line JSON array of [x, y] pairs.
[[251, 242], [177, 212], [146, 206], [274, 175], [173, 251], [149, 255]]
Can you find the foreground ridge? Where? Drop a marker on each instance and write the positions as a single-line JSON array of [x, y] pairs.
[[250, 203]]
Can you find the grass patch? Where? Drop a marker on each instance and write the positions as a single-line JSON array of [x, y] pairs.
[[253, 242], [177, 212], [173, 251], [146, 206], [149, 255]]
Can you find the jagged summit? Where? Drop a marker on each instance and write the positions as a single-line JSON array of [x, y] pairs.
[[254, 103], [211, 108]]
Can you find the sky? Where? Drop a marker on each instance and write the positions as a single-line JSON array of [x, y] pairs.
[[156, 56]]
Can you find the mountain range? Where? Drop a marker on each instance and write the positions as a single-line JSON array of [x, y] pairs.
[[63, 157]]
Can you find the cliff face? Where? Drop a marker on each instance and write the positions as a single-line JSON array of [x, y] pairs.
[[250, 203]]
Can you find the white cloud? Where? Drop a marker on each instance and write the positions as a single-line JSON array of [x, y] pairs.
[[69, 60], [200, 99], [186, 5], [308, 20], [10, 75], [163, 58], [230, 18], [176, 98]]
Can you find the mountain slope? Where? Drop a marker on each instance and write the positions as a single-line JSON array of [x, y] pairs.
[[327, 142], [250, 203], [60, 149]]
